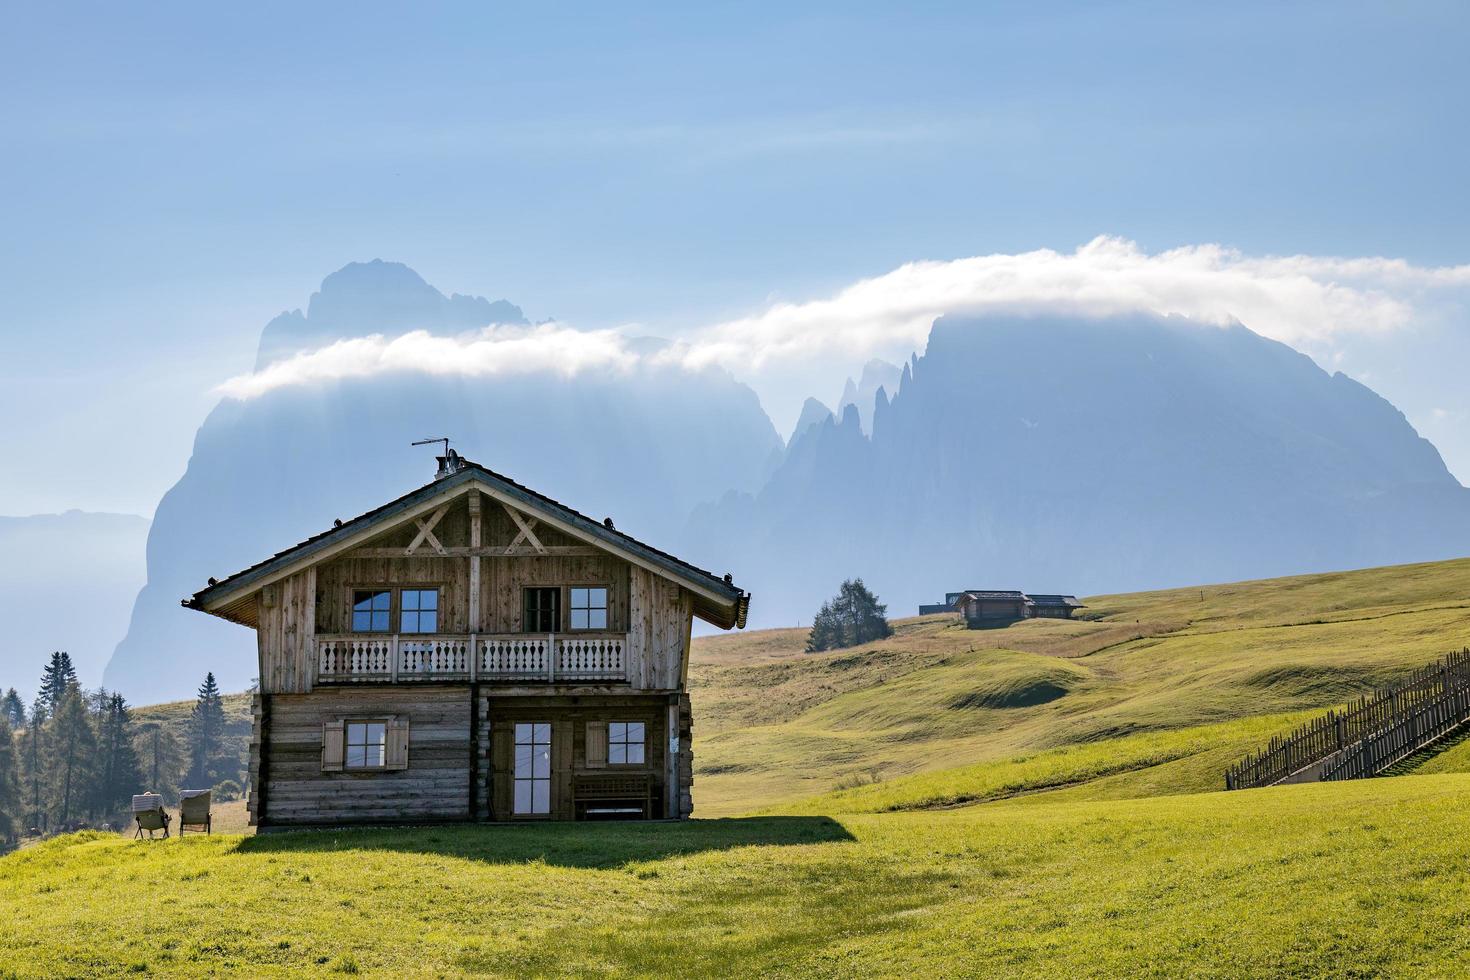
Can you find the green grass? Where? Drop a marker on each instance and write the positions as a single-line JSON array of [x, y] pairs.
[[774, 725], [1032, 801], [1355, 879]]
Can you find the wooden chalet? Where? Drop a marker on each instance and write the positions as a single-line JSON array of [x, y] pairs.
[[985, 608], [471, 651]]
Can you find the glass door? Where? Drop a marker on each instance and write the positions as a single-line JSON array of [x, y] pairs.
[[533, 769]]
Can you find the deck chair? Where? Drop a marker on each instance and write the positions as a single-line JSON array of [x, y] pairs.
[[194, 810], [149, 814]]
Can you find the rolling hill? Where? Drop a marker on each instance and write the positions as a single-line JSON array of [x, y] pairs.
[[1040, 800]]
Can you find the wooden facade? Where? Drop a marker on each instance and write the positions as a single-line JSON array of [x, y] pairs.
[[471, 651]]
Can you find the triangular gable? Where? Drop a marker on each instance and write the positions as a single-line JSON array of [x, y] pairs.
[[716, 600]]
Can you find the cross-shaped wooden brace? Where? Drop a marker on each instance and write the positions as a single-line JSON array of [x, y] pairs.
[[426, 532], [526, 533]]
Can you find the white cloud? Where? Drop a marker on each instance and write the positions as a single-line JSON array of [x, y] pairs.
[[1306, 301], [491, 351], [1301, 300]]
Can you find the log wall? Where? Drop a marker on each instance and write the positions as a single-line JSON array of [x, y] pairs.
[[435, 786]]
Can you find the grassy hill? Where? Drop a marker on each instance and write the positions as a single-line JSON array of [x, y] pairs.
[[1208, 672], [1039, 800]]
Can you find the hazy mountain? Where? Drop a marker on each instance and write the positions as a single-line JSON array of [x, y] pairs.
[[643, 447], [877, 376], [66, 583], [813, 413], [376, 297], [1068, 455]]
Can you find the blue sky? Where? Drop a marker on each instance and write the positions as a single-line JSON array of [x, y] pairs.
[[174, 175]]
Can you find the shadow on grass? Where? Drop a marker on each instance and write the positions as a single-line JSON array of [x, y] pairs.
[[574, 845]]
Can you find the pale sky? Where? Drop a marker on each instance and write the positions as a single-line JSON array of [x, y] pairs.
[[176, 174]]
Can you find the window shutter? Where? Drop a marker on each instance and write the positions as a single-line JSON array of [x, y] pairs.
[[333, 740], [397, 753], [597, 745]]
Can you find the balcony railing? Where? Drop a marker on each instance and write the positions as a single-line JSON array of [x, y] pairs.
[[546, 658]]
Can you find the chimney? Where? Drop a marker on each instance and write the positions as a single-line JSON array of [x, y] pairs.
[[449, 464]]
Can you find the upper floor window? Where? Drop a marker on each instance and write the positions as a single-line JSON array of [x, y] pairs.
[[370, 610], [543, 610], [589, 609], [418, 611]]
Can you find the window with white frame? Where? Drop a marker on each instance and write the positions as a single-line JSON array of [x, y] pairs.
[[418, 611], [366, 745], [589, 609], [625, 743], [533, 768]]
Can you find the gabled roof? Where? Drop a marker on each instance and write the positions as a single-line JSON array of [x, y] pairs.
[[995, 595], [1055, 600], [716, 600]]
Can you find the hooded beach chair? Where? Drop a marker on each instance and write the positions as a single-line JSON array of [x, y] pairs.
[[149, 814], [194, 810]]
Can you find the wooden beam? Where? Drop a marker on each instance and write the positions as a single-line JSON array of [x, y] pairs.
[[526, 531], [474, 572], [490, 551], [426, 532]]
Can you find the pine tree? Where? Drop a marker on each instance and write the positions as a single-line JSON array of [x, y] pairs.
[[161, 757], [852, 617], [72, 756], [207, 728], [823, 635], [118, 770], [58, 674], [13, 709], [10, 795], [34, 742]]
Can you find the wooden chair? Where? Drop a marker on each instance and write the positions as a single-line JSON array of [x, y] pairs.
[[149, 815], [194, 810]]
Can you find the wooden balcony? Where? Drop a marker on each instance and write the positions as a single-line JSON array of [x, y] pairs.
[[524, 658]]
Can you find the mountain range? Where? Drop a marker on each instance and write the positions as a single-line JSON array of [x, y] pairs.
[[1044, 453]]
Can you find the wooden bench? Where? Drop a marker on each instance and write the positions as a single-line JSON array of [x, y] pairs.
[[612, 795]]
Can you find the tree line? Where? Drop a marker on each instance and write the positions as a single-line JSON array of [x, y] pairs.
[[74, 758]]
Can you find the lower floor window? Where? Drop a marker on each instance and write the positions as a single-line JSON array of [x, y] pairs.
[[366, 742], [625, 743], [533, 768]]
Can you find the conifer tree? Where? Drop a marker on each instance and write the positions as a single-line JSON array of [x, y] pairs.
[[34, 742], [118, 770], [207, 728], [852, 617], [13, 710], [58, 674], [71, 757], [160, 756], [10, 795]]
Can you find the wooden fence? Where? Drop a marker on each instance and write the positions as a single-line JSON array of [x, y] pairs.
[[1371, 735]]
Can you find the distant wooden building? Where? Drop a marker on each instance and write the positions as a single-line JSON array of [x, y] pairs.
[[472, 650], [1054, 606], [989, 607], [986, 608]]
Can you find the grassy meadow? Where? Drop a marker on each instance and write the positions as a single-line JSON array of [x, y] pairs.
[[1041, 800]]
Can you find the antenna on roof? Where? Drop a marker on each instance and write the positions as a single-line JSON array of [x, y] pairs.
[[431, 441], [449, 463]]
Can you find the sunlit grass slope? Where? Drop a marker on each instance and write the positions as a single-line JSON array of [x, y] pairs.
[[1361, 879], [774, 725]]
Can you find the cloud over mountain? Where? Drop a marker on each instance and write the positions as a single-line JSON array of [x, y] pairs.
[[1307, 301]]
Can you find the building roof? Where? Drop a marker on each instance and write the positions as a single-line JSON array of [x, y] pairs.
[[995, 595], [717, 600], [1069, 601]]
